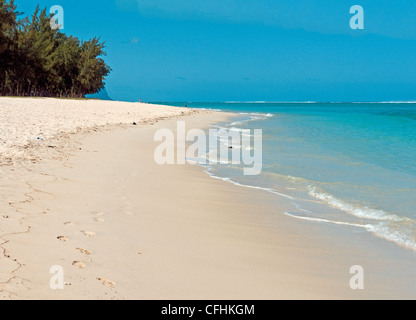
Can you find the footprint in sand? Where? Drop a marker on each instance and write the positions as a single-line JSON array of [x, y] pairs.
[[98, 216], [84, 251], [89, 233], [79, 264], [127, 207], [107, 282], [69, 223], [62, 238]]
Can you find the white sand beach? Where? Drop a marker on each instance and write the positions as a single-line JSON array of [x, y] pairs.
[[27, 122], [89, 197]]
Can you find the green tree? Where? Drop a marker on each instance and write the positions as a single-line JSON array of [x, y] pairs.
[[92, 69], [8, 23], [36, 60]]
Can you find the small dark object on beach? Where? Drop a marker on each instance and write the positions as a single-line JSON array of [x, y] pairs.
[[230, 147], [134, 124]]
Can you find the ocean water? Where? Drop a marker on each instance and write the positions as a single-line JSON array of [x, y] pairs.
[[338, 163]]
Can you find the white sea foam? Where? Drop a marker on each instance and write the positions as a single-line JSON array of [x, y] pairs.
[[364, 213], [253, 116], [382, 227], [388, 233], [294, 215], [212, 175], [380, 230], [411, 102], [386, 225], [210, 109], [257, 114], [235, 129]]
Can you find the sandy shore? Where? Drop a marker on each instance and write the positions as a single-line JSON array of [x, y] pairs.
[[123, 227], [29, 122]]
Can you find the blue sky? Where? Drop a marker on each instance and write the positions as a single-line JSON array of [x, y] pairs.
[[249, 50]]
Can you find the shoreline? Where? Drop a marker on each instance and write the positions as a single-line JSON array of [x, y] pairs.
[[123, 227]]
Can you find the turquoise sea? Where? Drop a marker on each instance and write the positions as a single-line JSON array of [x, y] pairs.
[[339, 163]]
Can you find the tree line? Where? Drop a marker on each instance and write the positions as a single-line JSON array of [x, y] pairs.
[[37, 60]]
